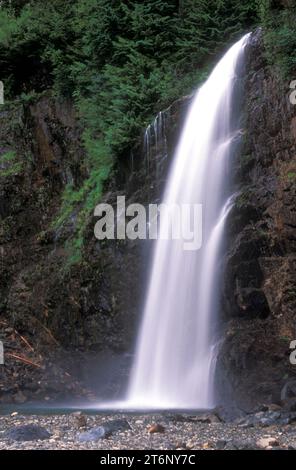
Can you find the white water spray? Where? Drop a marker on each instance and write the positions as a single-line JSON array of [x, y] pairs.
[[155, 141], [175, 355]]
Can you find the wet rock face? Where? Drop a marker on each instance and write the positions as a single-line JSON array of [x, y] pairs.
[[41, 150], [259, 293], [94, 307], [76, 309], [56, 142]]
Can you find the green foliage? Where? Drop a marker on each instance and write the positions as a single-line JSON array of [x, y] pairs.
[[12, 170], [120, 61], [79, 203], [292, 176], [8, 156], [280, 35], [9, 166], [206, 27], [8, 25]]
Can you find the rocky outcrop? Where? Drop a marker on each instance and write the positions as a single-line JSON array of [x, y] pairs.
[[92, 307], [259, 294]]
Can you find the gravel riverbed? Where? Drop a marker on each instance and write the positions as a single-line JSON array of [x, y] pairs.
[[147, 431]]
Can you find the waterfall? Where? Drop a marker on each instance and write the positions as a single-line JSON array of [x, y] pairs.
[[155, 142], [175, 355]]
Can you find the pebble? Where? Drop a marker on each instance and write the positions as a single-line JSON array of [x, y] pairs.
[[156, 428], [93, 435], [80, 420], [266, 442], [29, 432], [127, 431]]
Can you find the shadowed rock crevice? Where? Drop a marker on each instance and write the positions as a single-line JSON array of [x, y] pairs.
[[259, 295]]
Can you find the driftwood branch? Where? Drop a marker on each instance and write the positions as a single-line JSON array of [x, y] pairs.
[[46, 329], [24, 340], [4, 323], [24, 360]]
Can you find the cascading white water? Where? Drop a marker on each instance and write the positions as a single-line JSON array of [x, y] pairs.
[[175, 355], [155, 136]]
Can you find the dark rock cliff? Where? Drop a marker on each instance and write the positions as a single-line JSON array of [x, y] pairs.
[[82, 316], [94, 307], [259, 294]]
